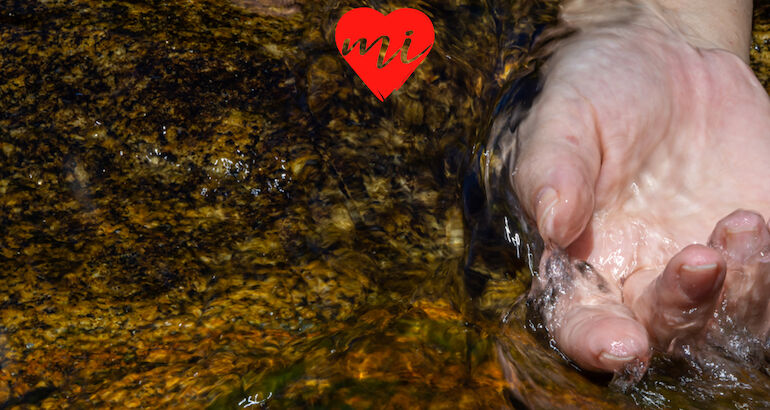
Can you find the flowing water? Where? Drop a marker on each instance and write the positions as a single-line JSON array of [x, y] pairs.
[[201, 205]]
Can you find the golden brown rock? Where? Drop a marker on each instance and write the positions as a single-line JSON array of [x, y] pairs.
[[201, 203]]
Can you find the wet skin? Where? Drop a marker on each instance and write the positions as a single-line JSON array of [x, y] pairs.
[[648, 158]]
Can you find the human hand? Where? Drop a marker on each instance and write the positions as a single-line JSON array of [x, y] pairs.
[[634, 158]]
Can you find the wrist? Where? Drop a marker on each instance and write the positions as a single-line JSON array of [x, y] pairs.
[[724, 24]]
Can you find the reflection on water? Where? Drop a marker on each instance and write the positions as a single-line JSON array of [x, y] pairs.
[[202, 205]]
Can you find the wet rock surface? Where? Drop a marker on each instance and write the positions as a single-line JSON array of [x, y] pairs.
[[201, 205]]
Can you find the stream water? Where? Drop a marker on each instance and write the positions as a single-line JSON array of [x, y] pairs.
[[201, 205]]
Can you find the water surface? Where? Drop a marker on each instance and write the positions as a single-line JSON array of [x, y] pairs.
[[201, 205]]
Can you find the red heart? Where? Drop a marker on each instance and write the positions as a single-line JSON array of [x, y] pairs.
[[406, 34]]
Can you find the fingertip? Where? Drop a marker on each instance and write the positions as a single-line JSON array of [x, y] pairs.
[[563, 207], [607, 340], [698, 271], [740, 235]]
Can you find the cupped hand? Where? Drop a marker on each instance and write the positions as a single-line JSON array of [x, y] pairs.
[[648, 158]]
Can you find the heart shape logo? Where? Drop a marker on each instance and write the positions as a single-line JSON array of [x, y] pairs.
[[384, 50]]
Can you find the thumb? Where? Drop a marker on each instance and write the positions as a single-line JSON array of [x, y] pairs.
[[557, 166]]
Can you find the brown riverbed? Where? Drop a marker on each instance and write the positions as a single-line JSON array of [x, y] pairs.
[[200, 203]]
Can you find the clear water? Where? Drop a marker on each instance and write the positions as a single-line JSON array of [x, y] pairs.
[[203, 206]]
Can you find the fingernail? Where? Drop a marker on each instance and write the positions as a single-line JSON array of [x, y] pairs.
[[741, 229], [694, 287], [699, 268], [547, 199], [613, 361]]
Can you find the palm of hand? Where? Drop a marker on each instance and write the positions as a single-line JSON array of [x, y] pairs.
[[650, 143]]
